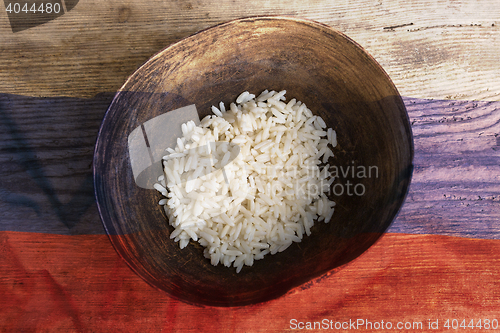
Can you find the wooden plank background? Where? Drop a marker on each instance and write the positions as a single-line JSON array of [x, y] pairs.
[[46, 148], [441, 49], [57, 270], [435, 51]]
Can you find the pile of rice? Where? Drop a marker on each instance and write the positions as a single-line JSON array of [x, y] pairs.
[[263, 200]]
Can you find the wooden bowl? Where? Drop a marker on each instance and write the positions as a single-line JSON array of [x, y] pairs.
[[317, 65]]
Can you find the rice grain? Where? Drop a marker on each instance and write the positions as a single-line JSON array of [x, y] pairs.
[[264, 199]]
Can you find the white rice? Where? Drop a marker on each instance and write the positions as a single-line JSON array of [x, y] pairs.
[[264, 199]]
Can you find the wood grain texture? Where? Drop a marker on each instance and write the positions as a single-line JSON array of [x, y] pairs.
[[431, 49], [456, 180], [78, 283], [46, 149], [454, 190], [442, 54]]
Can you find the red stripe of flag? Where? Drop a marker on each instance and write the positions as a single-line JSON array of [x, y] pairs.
[[78, 283]]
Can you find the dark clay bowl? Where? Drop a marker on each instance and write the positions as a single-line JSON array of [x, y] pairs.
[[317, 65]]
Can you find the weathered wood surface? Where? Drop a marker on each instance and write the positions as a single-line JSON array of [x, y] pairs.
[[455, 188], [441, 50], [431, 49], [46, 148], [57, 79]]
